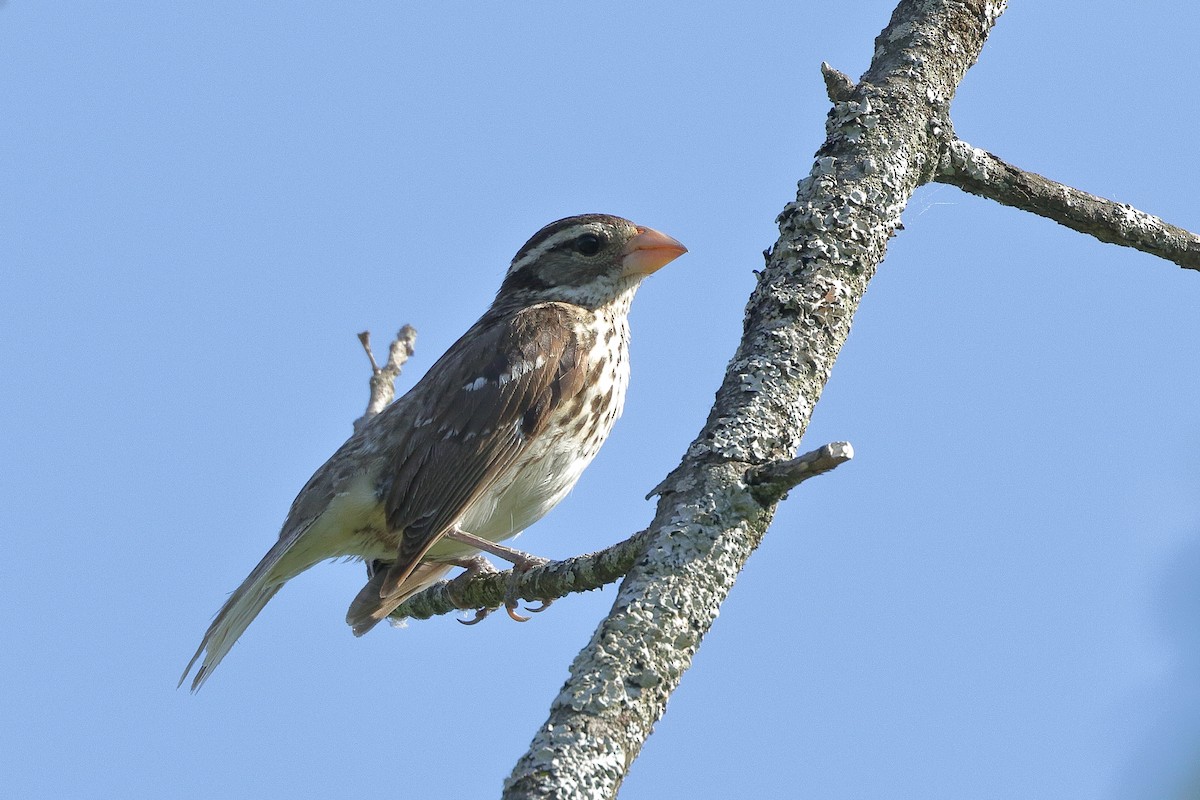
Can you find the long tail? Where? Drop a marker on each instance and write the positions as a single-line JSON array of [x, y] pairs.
[[238, 612], [369, 608]]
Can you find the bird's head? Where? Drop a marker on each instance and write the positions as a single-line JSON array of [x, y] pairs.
[[589, 260]]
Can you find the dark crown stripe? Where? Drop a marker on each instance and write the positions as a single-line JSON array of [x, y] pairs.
[[557, 227]]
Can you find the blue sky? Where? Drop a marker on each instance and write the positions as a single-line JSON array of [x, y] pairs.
[[200, 205]]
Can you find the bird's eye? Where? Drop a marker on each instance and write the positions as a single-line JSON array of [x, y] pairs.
[[588, 244]]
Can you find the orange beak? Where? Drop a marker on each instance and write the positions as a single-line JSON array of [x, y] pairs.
[[649, 251]]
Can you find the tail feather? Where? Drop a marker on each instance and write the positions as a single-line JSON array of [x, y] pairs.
[[369, 608], [236, 615]]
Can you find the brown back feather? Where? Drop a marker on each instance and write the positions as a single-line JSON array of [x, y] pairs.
[[473, 436]]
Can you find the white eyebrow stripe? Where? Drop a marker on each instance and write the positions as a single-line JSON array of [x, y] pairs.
[[565, 235]]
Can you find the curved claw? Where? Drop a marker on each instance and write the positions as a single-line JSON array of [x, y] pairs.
[[512, 613], [542, 606], [480, 615]]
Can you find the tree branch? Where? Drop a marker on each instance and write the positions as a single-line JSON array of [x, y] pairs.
[[772, 482], [547, 582], [886, 134], [981, 173], [882, 142], [383, 379], [769, 484], [838, 85]]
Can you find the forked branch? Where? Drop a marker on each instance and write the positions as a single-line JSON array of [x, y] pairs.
[[383, 379]]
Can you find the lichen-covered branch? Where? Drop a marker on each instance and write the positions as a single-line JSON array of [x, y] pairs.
[[886, 134], [882, 141], [383, 379], [981, 173], [547, 582], [769, 483]]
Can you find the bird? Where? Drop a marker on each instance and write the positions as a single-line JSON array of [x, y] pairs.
[[491, 438]]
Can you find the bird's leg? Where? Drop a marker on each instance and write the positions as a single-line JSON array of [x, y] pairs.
[[517, 558], [521, 562], [474, 565]]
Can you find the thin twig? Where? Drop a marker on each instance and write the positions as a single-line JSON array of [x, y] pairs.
[[981, 173], [383, 379], [772, 482]]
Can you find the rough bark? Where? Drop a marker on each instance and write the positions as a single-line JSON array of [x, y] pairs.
[[886, 135], [884, 139]]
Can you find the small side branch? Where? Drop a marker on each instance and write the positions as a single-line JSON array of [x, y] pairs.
[[772, 482], [383, 379], [981, 173], [838, 85], [548, 582]]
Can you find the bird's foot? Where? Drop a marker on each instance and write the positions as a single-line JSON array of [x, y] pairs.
[[474, 565], [521, 561], [480, 615], [526, 563]]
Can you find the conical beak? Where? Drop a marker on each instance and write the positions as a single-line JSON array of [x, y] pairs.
[[649, 251]]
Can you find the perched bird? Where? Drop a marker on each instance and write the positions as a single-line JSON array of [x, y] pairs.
[[490, 439]]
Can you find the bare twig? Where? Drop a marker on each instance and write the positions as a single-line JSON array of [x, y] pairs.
[[838, 85], [772, 482], [383, 379], [981, 173]]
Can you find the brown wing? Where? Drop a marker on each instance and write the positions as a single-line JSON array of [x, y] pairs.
[[487, 398]]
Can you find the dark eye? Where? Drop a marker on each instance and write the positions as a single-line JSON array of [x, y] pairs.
[[589, 244]]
